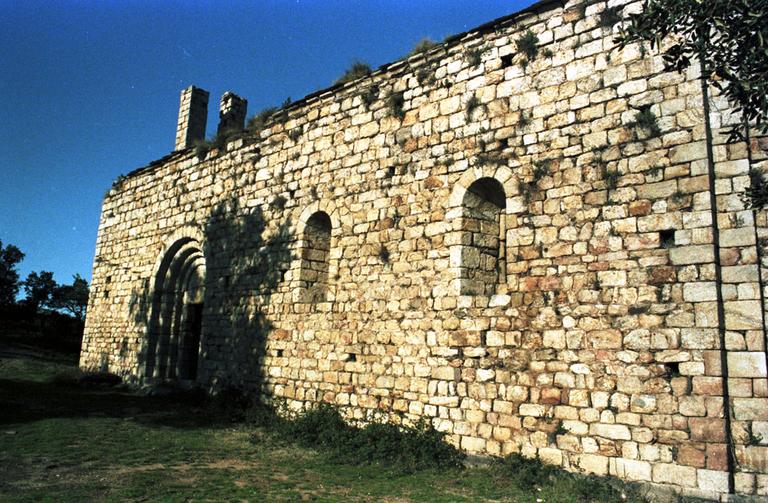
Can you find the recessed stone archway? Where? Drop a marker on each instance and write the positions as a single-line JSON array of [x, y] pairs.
[[176, 316], [479, 210], [315, 257]]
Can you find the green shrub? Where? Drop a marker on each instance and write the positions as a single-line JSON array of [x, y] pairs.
[[655, 170], [528, 44], [422, 45], [525, 472], [357, 70], [321, 426], [425, 75], [217, 142], [259, 121], [647, 121], [475, 57], [407, 448], [483, 159]]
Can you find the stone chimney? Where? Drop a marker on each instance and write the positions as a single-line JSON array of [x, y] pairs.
[[193, 114], [232, 112]]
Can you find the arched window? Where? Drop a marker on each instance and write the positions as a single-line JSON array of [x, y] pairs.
[[483, 261], [315, 257]]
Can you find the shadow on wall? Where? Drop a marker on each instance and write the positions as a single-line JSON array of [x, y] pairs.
[[220, 288]]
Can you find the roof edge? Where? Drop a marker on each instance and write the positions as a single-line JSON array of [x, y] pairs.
[[450, 41]]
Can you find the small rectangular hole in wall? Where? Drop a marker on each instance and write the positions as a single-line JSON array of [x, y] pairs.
[[279, 353], [109, 279], [352, 357], [506, 61], [106, 294], [667, 238], [672, 369]]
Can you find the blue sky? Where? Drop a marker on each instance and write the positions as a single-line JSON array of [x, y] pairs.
[[89, 90]]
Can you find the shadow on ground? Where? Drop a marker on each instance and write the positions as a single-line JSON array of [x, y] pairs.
[[25, 397]]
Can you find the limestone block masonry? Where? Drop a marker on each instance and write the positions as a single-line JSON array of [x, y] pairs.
[[486, 239]]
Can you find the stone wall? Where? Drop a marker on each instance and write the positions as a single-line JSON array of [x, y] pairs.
[[486, 239]]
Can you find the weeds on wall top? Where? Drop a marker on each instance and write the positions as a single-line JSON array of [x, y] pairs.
[[528, 44], [422, 45], [475, 57], [120, 178], [357, 70], [259, 121], [425, 75], [217, 142]]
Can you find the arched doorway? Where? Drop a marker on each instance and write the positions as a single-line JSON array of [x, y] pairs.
[[176, 321]]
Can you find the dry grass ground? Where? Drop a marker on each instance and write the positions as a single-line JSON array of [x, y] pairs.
[[65, 442]]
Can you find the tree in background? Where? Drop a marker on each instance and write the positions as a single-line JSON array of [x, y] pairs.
[[10, 256], [72, 298], [39, 288], [729, 37]]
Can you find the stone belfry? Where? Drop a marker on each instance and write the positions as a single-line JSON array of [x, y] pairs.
[[193, 115], [232, 111]]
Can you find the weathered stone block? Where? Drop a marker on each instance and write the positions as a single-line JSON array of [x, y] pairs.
[[745, 409], [700, 292], [612, 431], [695, 254], [743, 315], [674, 474]]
